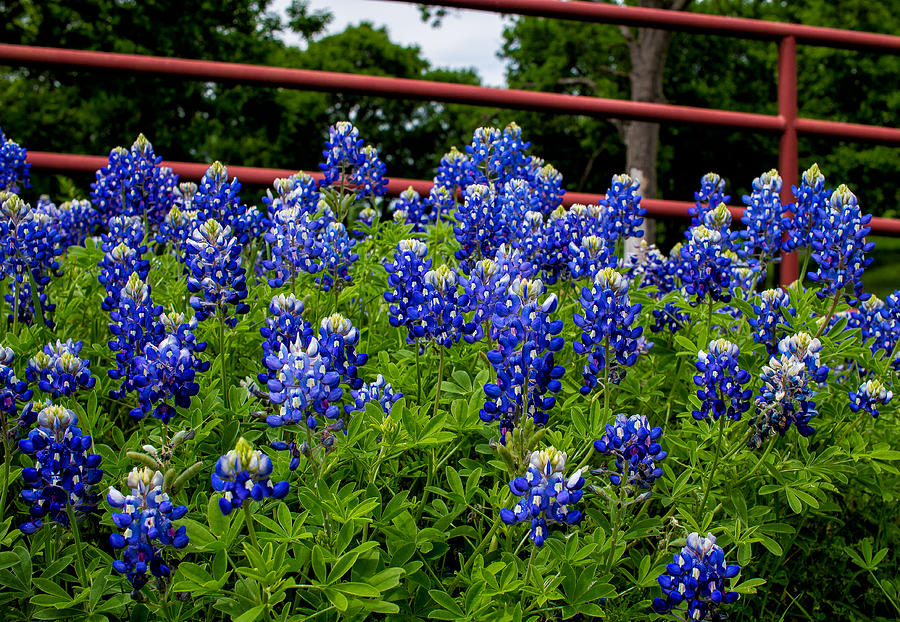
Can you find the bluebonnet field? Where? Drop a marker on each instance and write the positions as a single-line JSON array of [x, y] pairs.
[[468, 405]]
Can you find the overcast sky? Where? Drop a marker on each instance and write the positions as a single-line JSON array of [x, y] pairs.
[[465, 38]]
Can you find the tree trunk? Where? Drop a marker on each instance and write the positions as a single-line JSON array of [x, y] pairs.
[[647, 48]]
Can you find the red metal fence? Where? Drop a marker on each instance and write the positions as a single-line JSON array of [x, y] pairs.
[[786, 123]]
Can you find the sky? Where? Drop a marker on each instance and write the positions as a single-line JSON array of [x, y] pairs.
[[465, 38]]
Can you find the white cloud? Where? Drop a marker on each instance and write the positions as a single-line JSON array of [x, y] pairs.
[[465, 38]]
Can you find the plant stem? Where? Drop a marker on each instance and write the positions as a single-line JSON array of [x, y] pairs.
[[708, 325], [803, 269], [613, 545], [418, 380], [6, 465], [605, 381], [827, 320], [224, 393], [888, 596], [251, 530], [15, 306], [440, 378], [79, 555], [712, 471]]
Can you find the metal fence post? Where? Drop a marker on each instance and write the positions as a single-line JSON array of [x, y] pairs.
[[787, 147]]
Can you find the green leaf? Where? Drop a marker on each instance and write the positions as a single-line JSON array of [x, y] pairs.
[[251, 614], [445, 601]]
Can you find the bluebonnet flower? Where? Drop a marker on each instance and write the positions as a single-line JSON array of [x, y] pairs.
[[338, 339], [285, 326], [302, 385], [546, 186], [242, 475], [175, 229], [167, 372], [116, 267], [670, 317], [63, 471], [413, 208], [343, 153], [406, 277], [623, 208], [869, 396], [772, 309], [652, 268], [711, 194], [134, 325], [337, 256], [14, 170], [696, 580], [72, 221], [479, 224], [705, 270], [560, 230], [719, 219], [497, 156], [217, 199], [134, 184], [368, 178], [300, 191], [293, 240], [454, 173], [523, 360], [484, 287], [442, 311], [720, 382], [890, 327], [839, 246], [123, 229], [546, 495], [811, 198], [588, 257], [29, 245], [214, 261], [380, 392], [763, 217], [637, 452], [13, 391], [608, 337], [145, 515], [788, 389], [59, 370]]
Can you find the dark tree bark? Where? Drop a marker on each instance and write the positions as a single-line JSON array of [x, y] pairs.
[[647, 48]]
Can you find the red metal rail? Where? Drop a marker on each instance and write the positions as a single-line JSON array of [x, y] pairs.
[[786, 123]]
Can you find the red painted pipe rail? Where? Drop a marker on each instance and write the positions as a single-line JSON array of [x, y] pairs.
[[683, 21], [285, 77], [64, 162]]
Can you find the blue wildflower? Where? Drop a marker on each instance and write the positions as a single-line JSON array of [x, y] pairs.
[[696, 579], [811, 198], [302, 385], [63, 471], [337, 256], [242, 475], [14, 170], [13, 392], [546, 495], [711, 194], [764, 217], [523, 360], [608, 337], [704, 269], [720, 382], [134, 325], [622, 203], [338, 339], [406, 277], [217, 199], [380, 392], [637, 452], [214, 261], [59, 370], [839, 246], [293, 240], [870, 395], [588, 257], [343, 154], [772, 311], [168, 370], [788, 391], [145, 515]]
